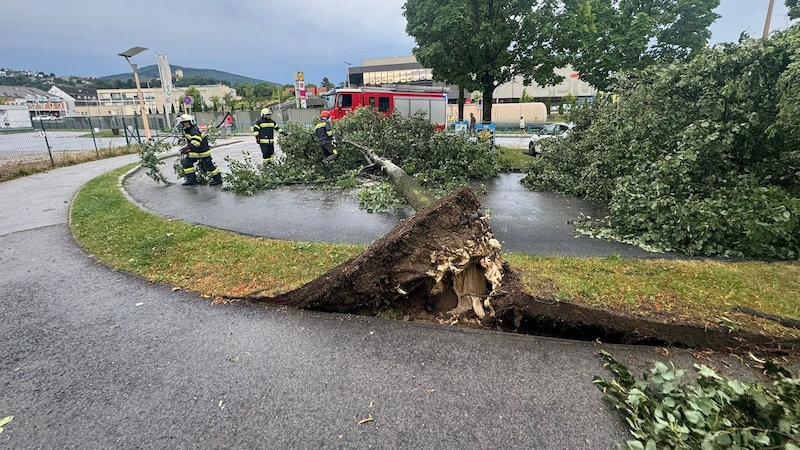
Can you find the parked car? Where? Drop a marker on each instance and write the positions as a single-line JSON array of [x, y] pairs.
[[551, 130]]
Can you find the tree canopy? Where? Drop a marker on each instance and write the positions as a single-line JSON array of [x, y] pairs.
[[626, 35], [482, 44]]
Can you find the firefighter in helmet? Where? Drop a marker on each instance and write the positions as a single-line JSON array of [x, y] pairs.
[[322, 128], [264, 131], [197, 150]]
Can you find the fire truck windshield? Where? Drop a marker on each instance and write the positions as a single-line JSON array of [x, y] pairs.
[[330, 101]]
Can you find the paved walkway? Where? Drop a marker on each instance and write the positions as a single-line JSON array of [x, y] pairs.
[[98, 359]]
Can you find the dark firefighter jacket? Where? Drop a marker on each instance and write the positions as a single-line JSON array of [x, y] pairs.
[[322, 128], [265, 129], [197, 142]]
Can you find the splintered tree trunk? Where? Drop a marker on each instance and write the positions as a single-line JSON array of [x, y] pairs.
[[445, 258]]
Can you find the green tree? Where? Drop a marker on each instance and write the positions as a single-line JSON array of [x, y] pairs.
[[216, 102], [482, 44], [699, 157], [228, 100], [263, 91], [247, 92], [793, 7], [525, 97], [628, 35]]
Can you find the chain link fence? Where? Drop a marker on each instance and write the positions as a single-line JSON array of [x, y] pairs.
[[49, 141]]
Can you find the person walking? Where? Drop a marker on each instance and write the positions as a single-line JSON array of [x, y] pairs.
[[196, 150], [324, 132], [522, 125], [264, 131], [471, 124]]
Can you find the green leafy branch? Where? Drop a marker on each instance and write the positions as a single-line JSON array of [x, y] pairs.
[[714, 413]]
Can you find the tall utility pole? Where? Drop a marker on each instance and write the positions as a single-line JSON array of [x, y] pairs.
[[769, 16]]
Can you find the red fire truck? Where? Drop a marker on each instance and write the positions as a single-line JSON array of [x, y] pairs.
[[406, 100]]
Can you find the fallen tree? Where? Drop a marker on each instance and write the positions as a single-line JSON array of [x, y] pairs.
[[444, 265]]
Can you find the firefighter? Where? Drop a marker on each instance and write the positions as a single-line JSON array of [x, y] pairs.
[[264, 131], [322, 128], [197, 150]]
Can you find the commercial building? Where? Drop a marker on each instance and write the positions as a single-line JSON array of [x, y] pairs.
[[406, 70], [74, 97], [125, 102]]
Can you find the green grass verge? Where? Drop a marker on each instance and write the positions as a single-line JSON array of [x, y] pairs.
[[209, 261], [692, 292], [514, 158], [219, 263]]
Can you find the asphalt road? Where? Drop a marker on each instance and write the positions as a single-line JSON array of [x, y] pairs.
[[97, 359]]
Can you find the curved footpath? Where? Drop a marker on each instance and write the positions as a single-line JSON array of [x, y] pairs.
[[96, 359]]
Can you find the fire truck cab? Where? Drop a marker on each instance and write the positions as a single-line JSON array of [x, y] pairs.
[[406, 100]]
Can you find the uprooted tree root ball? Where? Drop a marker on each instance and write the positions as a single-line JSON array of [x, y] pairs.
[[444, 265]]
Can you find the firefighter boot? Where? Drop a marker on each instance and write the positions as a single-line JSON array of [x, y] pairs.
[[191, 179], [216, 180]]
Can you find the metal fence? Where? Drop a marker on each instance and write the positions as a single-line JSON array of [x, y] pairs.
[[49, 141]]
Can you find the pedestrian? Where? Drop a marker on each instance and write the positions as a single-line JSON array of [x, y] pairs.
[[522, 125], [264, 131], [471, 123], [324, 132], [197, 150]]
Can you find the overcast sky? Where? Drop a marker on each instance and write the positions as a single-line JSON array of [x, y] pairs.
[[267, 40]]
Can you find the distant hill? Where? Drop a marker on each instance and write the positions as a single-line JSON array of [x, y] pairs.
[[151, 72]]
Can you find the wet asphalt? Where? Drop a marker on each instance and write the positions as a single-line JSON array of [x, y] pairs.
[[98, 359], [523, 221]]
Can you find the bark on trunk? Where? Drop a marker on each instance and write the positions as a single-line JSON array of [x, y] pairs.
[[417, 196]]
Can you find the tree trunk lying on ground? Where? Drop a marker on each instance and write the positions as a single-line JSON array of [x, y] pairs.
[[417, 196], [444, 264]]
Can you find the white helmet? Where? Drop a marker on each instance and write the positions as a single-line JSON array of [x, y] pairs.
[[187, 118], [266, 111]]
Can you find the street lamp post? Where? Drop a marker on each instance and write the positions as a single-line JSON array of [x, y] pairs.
[[348, 73], [769, 17], [128, 54]]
